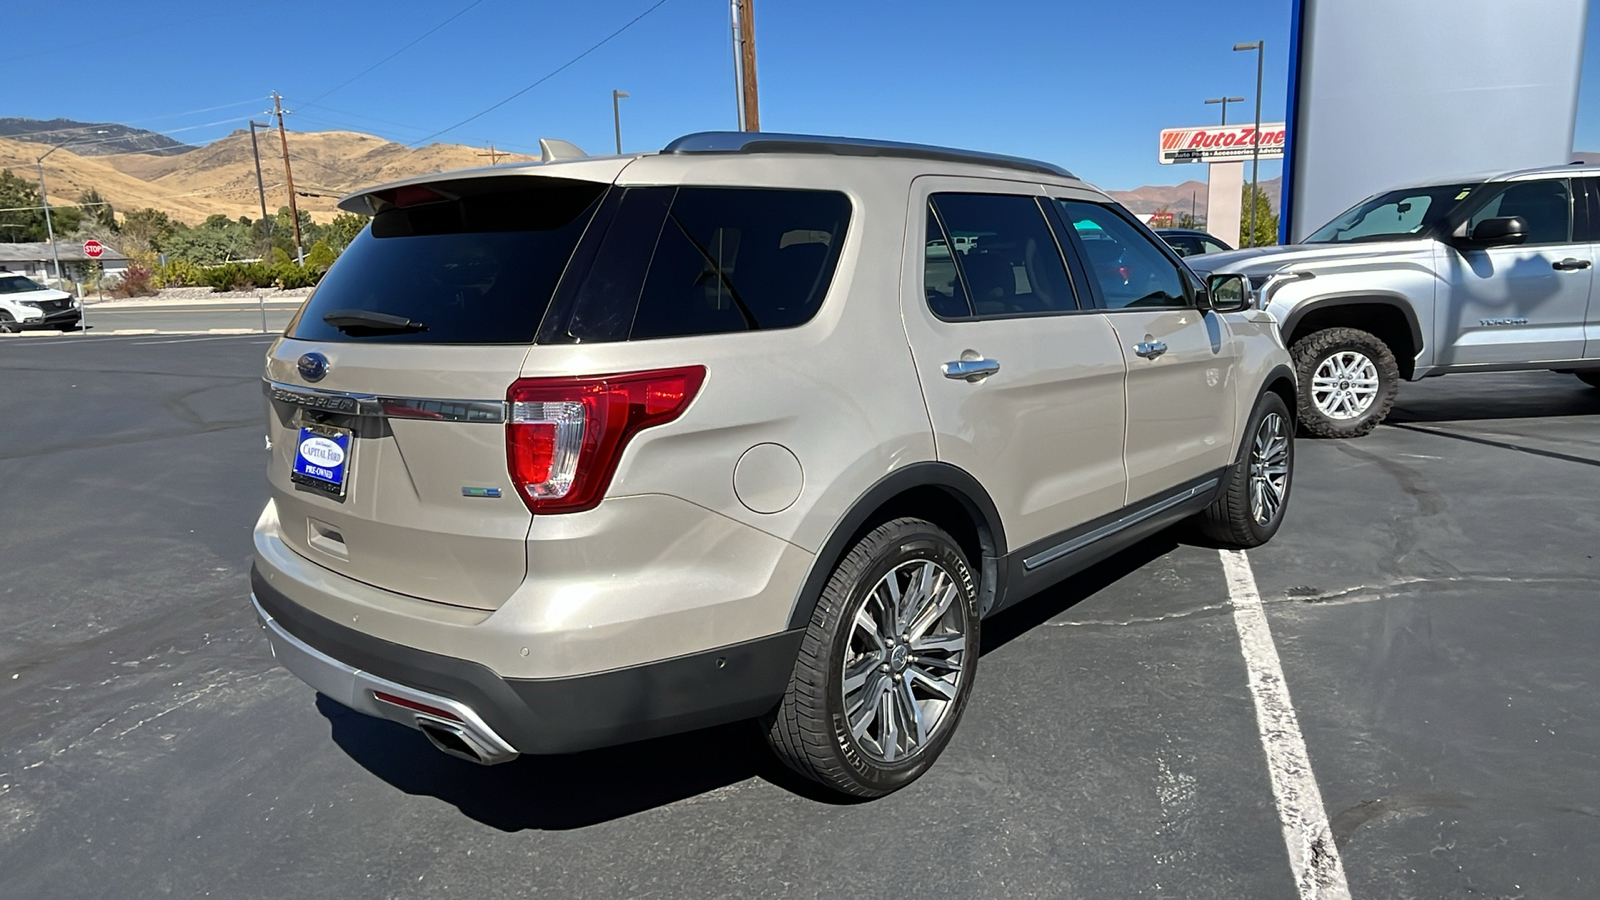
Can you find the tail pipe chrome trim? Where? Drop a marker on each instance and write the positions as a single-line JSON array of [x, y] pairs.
[[449, 725]]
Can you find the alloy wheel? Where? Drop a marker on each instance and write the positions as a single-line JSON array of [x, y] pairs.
[[1345, 385], [904, 660], [1269, 469]]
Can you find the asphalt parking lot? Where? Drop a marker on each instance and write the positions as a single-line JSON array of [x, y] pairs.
[[1433, 596]]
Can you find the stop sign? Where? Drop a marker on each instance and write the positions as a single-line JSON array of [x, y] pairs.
[[93, 249]]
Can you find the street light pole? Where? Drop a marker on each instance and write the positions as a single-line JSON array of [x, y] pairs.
[[261, 187], [1224, 101], [49, 227], [1255, 146], [616, 116]]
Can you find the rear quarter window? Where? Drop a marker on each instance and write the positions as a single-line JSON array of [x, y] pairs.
[[467, 262], [680, 261]]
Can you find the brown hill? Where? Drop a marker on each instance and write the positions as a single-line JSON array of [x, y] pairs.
[[1177, 198], [221, 176]]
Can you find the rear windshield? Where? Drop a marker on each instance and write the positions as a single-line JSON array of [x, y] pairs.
[[677, 261], [468, 262]]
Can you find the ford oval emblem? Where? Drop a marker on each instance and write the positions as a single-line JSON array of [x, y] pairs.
[[313, 366]]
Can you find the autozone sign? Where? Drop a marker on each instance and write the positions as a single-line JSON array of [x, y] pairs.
[[1219, 143]]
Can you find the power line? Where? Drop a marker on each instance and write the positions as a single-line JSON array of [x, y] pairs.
[[380, 62], [553, 73]]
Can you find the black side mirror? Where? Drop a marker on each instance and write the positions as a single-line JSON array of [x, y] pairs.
[[1501, 230], [1228, 293]]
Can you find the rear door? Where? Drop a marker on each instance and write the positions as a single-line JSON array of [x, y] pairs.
[[1181, 364], [388, 393], [1023, 387], [1522, 303], [1587, 228]]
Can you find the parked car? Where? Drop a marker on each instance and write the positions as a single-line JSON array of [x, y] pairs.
[[1459, 275], [1191, 242], [25, 303], [576, 454]]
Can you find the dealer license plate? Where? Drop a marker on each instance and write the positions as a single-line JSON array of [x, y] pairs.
[[322, 459]]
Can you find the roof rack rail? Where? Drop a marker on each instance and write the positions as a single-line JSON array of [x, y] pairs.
[[771, 142]]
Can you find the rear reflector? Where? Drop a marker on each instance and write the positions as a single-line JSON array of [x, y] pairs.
[[415, 706], [566, 434]]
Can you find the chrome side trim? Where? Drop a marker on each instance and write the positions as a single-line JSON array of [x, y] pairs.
[[489, 412], [1105, 531], [354, 688]]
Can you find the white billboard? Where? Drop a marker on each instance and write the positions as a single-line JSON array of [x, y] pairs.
[[1386, 93], [1220, 143]]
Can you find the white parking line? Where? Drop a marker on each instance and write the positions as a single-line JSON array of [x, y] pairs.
[[1318, 872]]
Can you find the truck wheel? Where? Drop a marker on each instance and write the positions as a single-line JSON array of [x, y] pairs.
[[1592, 379], [886, 664], [1255, 489], [1348, 380]]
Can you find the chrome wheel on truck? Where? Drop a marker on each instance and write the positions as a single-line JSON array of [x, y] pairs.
[[1345, 385]]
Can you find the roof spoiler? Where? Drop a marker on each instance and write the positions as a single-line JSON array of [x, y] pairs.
[[368, 202]]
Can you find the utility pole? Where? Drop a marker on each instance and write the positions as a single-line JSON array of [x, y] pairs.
[[738, 67], [261, 187], [747, 61], [288, 176], [493, 154], [616, 116]]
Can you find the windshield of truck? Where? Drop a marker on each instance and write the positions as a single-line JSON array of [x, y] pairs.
[[1397, 214]]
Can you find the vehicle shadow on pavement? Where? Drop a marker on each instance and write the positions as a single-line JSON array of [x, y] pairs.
[[1562, 395], [556, 793]]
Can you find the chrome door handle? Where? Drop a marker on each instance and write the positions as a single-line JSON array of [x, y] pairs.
[[1149, 349], [970, 369], [1570, 265]]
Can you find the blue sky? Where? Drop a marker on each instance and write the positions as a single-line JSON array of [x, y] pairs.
[[1087, 85]]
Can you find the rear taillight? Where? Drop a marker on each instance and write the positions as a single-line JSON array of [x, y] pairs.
[[565, 435]]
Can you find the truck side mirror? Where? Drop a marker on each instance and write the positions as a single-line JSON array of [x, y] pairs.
[[1228, 293], [1499, 231]]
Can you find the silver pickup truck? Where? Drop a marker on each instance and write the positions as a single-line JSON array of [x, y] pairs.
[[1478, 274]]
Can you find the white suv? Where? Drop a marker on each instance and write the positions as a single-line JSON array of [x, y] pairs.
[[759, 426], [25, 303]]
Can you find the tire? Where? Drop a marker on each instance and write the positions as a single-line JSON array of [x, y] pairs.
[[1351, 361], [1592, 379], [811, 729], [8, 325], [1255, 490]]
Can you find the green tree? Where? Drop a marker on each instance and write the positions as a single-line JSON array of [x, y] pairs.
[[1266, 220], [219, 240], [96, 208], [24, 220], [145, 232], [320, 256], [343, 229]]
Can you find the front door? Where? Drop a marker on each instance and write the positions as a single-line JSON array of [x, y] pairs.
[[1024, 389], [1181, 365], [1521, 303]]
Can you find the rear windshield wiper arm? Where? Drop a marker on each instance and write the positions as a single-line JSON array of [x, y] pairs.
[[358, 322]]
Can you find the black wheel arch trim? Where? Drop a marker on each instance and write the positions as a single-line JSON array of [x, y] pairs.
[[1358, 298], [960, 485]]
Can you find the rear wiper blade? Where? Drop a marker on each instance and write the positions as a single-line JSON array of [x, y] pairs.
[[357, 322]]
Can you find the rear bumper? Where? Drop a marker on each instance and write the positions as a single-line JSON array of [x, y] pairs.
[[501, 717]]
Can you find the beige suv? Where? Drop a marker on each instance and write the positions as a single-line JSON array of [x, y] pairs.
[[757, 427]]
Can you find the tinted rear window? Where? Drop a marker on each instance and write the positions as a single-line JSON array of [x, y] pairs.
[[673, 262], [476, 267]]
